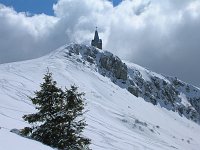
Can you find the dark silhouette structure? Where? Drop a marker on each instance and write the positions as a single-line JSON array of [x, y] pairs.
[[96, 42]]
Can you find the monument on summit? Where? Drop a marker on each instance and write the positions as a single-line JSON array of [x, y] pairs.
[[96, 42]]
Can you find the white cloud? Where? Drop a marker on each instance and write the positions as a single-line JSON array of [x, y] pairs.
[[162, 35], [20, 35]]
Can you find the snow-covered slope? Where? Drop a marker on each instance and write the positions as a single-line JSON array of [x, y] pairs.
[[117, 119]]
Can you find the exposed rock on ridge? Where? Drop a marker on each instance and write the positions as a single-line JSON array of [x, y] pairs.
[[168, 92]]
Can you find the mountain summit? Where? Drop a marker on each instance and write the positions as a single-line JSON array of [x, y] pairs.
[[168, 92], [130, 107]]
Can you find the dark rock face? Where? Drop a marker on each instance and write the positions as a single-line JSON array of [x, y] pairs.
[[133, 90], [165, 92], [107, 63], [115, 66], [168, 95]]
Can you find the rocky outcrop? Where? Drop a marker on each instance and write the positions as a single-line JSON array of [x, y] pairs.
[[114, 65], [165, 91], [133, 90], [106, 62]]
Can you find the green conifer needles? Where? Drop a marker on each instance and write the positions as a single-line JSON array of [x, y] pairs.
[[59, 121]]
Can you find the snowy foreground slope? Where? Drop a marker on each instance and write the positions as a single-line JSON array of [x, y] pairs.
[[129, 108]]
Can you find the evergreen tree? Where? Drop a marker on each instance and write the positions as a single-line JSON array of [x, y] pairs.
[[59, 121]]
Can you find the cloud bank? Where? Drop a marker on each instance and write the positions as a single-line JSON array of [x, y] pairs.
[[160, 35]]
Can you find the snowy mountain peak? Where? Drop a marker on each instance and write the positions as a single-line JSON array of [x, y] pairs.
[[103, 61], [130, 107], [168, 92]]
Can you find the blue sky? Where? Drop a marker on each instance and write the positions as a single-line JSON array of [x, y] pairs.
[[36, 6], [31, 6]]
